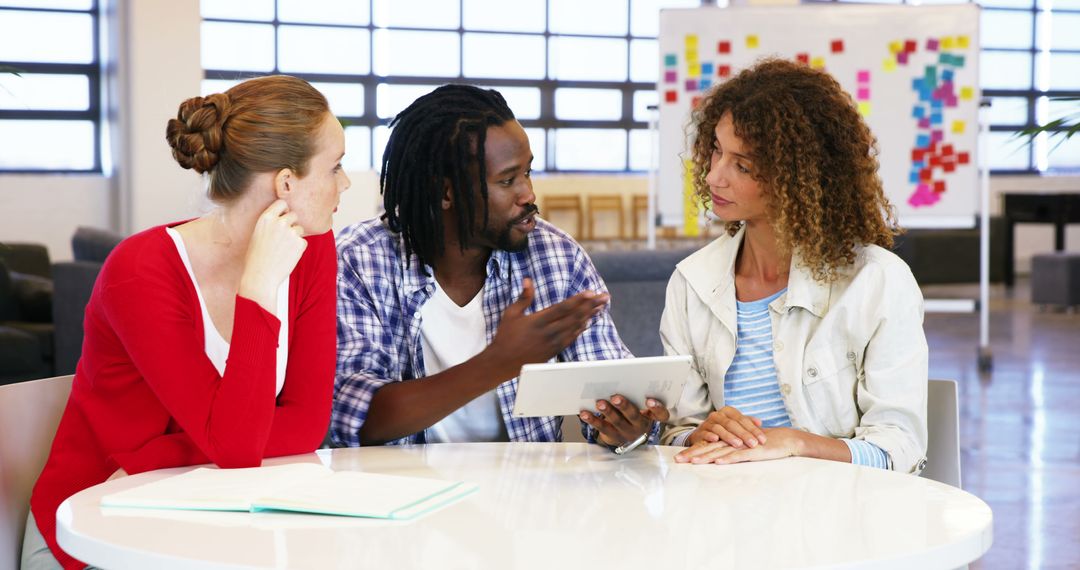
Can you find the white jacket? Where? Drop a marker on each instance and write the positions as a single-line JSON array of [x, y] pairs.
[[851, 355]]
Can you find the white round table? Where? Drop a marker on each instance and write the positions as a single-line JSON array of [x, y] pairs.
[[550, 506]]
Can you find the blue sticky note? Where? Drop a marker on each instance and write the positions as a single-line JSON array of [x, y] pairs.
[[705, 83], [918, 112], [914, 178], [936, 104], [706, 69], [935, 118], [922, 140], [917, 84], [918, 165], [947, 75], [670, 60]]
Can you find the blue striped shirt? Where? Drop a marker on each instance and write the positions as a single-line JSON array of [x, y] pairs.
[[751, 386], [379, 300]]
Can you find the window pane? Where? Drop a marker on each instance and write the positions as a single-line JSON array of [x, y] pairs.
[[584, 104], [57, 145], [590, 149], [645, 14], [1006, 29], [504, 56], [248, 47], [644, 60], [594, 59], [1065, 31], [642, 100], [527, 15], [211, 86], [1009, 111], [523, 101], [346, 99], [1066, 4], [59, 4], [382, 134], [538, 144], [357, 148], [310, 49], [1007, 3], [45, 92], [417, 14], [416, 53], [392, 99], [258, 10], [348, 12], [1008, 152], [640, 150], [1064, 153], [1005, 70], [1064, 71], [595, 17], [46, 37]]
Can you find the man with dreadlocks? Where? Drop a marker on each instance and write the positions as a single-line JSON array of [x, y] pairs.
[[458, 284]]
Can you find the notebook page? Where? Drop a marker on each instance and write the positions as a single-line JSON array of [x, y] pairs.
[[357, 494], [218, 489]]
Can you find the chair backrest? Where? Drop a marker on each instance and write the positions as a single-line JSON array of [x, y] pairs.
[[943, 427], [29, 414]]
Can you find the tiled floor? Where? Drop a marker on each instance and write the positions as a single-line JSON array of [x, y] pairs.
[[1019, 424]]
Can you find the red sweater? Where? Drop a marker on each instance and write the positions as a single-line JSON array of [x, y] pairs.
[[145, 395]]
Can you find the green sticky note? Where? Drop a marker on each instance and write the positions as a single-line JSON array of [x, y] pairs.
[[670, 60]]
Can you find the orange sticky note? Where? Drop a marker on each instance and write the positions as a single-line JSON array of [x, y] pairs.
[[752, 41], [958, 127], [864, 108], [967, 93]]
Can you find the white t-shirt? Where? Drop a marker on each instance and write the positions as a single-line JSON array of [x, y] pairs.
[[450, 335], [217, 349]]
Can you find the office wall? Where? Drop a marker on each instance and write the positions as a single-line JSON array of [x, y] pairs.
[[159, 65]]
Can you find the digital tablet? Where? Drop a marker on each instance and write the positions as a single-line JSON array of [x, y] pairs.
[[564, 388]]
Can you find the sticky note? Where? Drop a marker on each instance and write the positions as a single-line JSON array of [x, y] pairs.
[[949, 167], [913, 178], [910, 46], [935, 161], [691, 41], [693, 70], [706, 69], [896, 46], [752, 41], [724, 71], [963, 42], [935, 118], [803, 58], [670, 76], [864, 108], [947, 149], [705, 83], [863, 76], [889, 65], [837, 46], [723, 46], [917, 155], [918, 112], [671, 96], [926, 174], [939, 186], [695, 102], [817, 62], [922, 140], [924, 123], [902, 58], [967, 93], [936, 136], [691, 85], [670, 60], [863, 93], [963, 158], [947, 42], [690, 201], [931, 44]]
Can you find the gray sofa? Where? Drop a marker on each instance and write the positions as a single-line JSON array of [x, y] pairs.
[[26, 328], [638, 281]]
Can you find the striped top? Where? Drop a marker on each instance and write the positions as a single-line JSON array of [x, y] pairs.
[[751, 385]]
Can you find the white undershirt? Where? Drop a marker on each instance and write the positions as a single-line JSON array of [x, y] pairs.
[[216, 347], [450, 335]]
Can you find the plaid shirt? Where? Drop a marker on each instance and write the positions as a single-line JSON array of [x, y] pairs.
[[379, 301]]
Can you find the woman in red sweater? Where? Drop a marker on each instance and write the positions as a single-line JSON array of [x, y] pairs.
[[211, 340]]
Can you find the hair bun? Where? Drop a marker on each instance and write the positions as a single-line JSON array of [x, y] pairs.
[[195, 135]]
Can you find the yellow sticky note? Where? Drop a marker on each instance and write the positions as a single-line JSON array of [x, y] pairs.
[[693, 70], [967, 93], [691, 42], [889, 64], [864, 108], [963, 42], [690, 201], [896, 46], [752, 42], [958, 127], [948, 42], [817, 62], [692, 57]]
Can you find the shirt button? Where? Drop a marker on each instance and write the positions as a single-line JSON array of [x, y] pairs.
[[785, 388], [851, 356], [811, 372], [778, 346]]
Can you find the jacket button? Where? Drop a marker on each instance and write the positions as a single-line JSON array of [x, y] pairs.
[[785, 388], [851, 355], [812, 372]]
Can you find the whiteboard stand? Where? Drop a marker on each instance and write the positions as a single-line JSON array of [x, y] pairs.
[[654, 168], [985, 355]]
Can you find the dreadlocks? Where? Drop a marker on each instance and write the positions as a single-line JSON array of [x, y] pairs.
[[439, 137]]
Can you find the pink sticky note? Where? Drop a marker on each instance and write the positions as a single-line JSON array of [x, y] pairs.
[[670, 77], [902, 57], [931, 44], [863, 93], [863, 76]]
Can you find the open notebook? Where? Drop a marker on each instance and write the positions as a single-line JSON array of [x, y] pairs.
[[299, 487]]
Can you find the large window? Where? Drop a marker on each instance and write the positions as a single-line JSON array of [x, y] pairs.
[[579, 75], [50, 86]]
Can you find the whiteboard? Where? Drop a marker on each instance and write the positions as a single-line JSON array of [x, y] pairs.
[[913, 71]]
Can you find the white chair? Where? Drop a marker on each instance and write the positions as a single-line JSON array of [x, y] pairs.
[[943, 427], [29, 414]]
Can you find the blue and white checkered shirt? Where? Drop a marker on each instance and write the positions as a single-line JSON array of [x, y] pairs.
[[379, 301]]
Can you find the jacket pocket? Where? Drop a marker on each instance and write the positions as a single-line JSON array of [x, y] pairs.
[[829, 381]]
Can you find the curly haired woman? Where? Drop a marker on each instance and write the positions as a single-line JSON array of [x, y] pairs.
[[213, 339], [806, 331]]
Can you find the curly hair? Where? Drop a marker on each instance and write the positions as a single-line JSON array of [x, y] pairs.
[[813, 155]]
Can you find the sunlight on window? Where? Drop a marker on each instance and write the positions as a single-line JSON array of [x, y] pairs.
[[588, 59], [311, 49], [247, 47], [504, 56], [48, 145], [588, 104], [502, 16], [409, 53], [46, 37], [34, 91], [439, 14], [342, 12], [590, 149]]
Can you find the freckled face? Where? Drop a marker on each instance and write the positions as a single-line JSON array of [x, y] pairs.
[[318, 192]]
